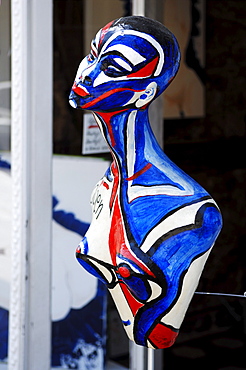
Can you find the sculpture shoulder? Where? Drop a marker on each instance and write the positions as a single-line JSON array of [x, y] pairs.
[[157, 175], [144, 205], [145, 213], [152, 195]]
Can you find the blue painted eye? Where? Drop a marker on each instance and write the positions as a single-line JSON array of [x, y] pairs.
[[111, 70], [113, 67]]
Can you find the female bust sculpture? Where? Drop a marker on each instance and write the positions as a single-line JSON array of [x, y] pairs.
[[153, 226]]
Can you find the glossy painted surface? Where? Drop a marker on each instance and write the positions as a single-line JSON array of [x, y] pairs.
[[153, 226]]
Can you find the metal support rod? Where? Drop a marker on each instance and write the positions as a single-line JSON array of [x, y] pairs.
[[223, 294], [150, 359], [137, 356], [138, 7]]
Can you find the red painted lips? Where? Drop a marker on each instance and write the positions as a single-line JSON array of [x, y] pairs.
[[81, 91]]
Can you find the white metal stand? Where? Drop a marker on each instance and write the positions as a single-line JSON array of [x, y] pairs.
[[138, 7], [137, 356], [29, 327], [150, 359]]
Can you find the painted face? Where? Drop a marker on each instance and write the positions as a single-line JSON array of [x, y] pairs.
[[123, 69]]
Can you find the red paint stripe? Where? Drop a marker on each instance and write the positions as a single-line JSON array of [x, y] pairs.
[[105, 185], [140, 172], [116, 234], [146, 71], [117, 244], [162, 336], [106, 95], [79, 90], [107, 119], [104, 31], [169, 81]]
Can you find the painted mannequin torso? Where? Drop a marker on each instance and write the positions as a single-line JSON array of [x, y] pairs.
[[153, 226]]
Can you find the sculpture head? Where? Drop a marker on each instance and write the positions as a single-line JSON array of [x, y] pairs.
[[132, 61]]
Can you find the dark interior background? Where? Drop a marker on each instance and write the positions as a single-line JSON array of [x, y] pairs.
[[212, 151]]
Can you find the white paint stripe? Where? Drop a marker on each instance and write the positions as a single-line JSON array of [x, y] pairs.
[[97, 38], [132, 55], [183, 217], [123, 64], [177, 313], [131, 154]]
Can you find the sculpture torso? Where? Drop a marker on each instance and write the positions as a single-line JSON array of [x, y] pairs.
[[145, 210], [153, 226]]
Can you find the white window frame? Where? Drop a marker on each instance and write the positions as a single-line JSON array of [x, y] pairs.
[[31, 153]]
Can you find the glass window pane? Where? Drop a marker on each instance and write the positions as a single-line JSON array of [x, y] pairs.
[[75, 24], [5, 75]]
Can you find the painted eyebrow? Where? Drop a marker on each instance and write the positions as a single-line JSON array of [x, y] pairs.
[[146, 37], [132, 55], [94, 48]]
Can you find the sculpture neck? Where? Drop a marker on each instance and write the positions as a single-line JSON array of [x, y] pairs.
[[139, 158], [128, 131]]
